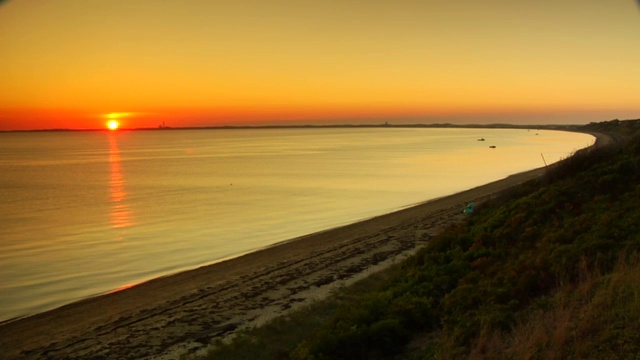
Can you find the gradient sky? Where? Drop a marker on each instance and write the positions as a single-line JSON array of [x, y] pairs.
[[71, 63]]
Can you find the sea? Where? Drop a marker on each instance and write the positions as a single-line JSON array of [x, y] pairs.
[[83, 213]]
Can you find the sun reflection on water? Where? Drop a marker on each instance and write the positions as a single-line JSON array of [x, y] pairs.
[[120, 213]]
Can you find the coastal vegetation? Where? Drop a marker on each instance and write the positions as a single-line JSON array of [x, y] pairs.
[[548, 269]]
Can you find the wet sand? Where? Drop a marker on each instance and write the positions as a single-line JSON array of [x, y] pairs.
[[166, 317]]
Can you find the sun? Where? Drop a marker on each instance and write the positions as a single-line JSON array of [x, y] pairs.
[[113, 119], [113, 124]]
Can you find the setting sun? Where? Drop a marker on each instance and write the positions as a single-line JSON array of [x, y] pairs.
[[113, 124]]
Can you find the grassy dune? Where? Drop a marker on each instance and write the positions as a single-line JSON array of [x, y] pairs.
[[548, 270]]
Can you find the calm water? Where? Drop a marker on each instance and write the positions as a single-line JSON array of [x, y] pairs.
[[83, 213]]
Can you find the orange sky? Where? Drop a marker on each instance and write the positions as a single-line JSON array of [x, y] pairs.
[[69, 63]]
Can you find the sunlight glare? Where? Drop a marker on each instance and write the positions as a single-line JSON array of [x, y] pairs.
[[113, 124]]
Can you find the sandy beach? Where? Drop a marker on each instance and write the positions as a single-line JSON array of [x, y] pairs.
[[169, 316]]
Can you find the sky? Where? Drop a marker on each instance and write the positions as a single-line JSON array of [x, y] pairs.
[[78, 63]]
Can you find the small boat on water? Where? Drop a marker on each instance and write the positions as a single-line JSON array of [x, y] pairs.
[[481, 139], [492, 146]]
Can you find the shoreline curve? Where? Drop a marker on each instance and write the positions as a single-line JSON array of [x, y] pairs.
[[184, 312]]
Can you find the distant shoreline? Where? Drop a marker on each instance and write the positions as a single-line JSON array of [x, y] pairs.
[[342, 126]]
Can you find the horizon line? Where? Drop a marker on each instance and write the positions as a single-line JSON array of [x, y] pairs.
[[240, 127]]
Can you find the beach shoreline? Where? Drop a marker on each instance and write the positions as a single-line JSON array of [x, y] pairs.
[[184, 312]]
